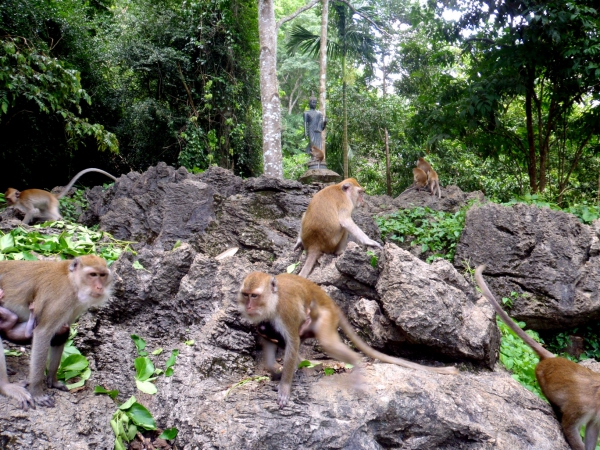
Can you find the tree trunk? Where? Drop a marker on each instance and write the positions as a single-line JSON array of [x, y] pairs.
[[388, 174], [531, 163], [269, 91], [344, 119], [323, 69]]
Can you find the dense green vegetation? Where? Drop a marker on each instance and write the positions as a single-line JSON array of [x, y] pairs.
[[499, 97]]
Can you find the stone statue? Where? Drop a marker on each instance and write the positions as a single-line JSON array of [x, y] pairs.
[[314, 124]]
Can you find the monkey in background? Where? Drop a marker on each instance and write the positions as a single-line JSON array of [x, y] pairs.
[[432, 177], [328, 220], [419, 180], [573, 390], [295, 308], [60, 291], [43, 205], [317, 155]]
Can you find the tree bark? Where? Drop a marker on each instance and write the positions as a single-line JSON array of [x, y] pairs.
[[323, 69], [269, 92], [344, 119], [531, 162]]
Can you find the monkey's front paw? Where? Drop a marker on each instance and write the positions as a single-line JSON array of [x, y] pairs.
[[20, 394], [44, 400], [283, 397], [374, 244]]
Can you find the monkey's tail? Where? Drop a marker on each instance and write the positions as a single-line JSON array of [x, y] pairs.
[[369, 351], [76, 177], [536, 347], [410, 188]]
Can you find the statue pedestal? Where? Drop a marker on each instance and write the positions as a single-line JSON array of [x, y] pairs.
[[319, 173]]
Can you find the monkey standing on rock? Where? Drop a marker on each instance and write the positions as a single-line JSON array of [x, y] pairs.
[[295, 308], [433, 180], [56, 293], [573, 390], [39, 204], [328, 220]]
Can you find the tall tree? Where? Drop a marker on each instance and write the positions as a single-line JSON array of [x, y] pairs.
[[269, 89], [544, 56], [353, 39]]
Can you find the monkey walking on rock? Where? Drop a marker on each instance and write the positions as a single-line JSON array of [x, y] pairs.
[[573, 390]]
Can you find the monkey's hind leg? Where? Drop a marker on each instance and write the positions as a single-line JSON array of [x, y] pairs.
[[571, 423], [591, 433]]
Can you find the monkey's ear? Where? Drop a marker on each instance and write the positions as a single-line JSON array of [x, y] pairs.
[[346, 186], [273, 285], [74, 265]]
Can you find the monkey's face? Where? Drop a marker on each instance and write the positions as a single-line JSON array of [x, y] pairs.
[[11, 196], [92, 278], [355, 193], [257, 299]]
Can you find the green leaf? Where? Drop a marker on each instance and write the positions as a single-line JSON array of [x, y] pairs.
[[146, 387], [138, 266], [140, 344], [128, 403], [101, 390], [190, 342], [141, 416], [171, 362], [292, 267], [328, 371], [169, 434], [143, 368], [158, 351]]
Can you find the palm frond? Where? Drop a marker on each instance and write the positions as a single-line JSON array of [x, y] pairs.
[[303, 41]]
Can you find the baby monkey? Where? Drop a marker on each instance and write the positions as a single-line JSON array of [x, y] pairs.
[[294, 309], [573, 390], [11, 329]]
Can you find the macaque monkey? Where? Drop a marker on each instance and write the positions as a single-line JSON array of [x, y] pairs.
[[282, 302], [433, 182], [59, 291], [419, 180], [317, 155], [43, 205], [571, 389], [328, 220], [424, 165]]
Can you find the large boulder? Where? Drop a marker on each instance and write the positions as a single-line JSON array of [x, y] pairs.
[[159, 207], [182, 297], [435, 307], [453, 198], [545, 256]]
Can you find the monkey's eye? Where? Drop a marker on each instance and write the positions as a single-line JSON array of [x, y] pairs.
[[93, 274], [253, 295]]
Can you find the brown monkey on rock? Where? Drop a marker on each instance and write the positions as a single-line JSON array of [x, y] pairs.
[[328, 221], [294, 308], [573, 390]]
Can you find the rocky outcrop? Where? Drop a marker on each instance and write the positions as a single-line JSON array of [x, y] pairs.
[[548, 257], [453, 198], [159, 207], [181, 297]]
